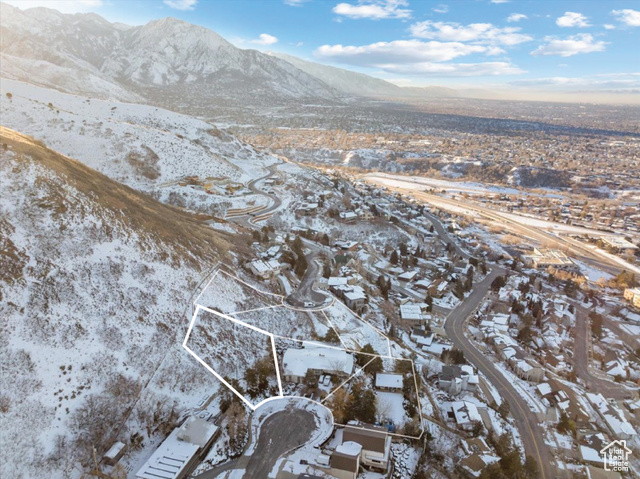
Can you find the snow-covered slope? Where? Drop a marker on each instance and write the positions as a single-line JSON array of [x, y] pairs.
[[141, 146], [94, 282], [345, 81], [158, 60]]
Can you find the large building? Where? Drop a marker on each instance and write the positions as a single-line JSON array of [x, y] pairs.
[[633, 296], [317, 359], [181, 451], [549, 258], [619, 244]]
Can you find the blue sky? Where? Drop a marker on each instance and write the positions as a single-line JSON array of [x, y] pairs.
[[555, 44]]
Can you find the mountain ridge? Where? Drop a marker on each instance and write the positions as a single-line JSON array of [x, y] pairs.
[[145, 60]]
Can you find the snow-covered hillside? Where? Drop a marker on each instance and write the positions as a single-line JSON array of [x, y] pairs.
[[141, 146], [95, 280]]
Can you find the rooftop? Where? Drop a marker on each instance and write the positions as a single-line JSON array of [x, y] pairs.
[[174, 454], [296, 362]]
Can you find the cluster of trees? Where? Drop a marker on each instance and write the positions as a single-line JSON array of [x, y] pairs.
[[452, 356], [384, 285], [566, 425], [510, 465], [625, 279], [360, 403], [262, 236], [257, 377], [403, 256], [300, 265], [97, 421], [463, 285], [498, 283], [372, 364], [596, 324]]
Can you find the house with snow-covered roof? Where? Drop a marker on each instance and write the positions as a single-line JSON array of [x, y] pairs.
[[389, 382], [457, 378], [317, 359], [181, 451], [464, 413], [345, 460], [265, 269], [411, 312], [375, 442], [613, 416]]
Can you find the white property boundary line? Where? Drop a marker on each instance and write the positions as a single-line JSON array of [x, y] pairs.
[[273, 337]]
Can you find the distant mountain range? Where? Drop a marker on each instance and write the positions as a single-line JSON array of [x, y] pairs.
[[169, 62]]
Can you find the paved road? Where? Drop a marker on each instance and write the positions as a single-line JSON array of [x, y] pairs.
[[280, 433], [594, 383], [444, 235], [526, 422], [305, 292], [276, 201]]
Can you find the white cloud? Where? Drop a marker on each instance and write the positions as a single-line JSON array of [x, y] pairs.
[[455, 69], [608, 26], [516, 17], [474, 32], [572, 19], [572, 45], [264, 39], [397, 52], [295, 3], [374, 9], [627, 16], [181, 4], [416, 57], [499, 1], [441, 8]]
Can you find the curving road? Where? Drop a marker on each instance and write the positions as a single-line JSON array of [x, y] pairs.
[[279, 433], [305, 292], [526, 422], [276, 201], [531, 433], [581, 362]]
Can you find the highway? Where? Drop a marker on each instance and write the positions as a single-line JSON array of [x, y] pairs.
[[525, 420], [590, 256]]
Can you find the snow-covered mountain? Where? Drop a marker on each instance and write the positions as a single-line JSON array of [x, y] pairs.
[[94, 283], [361, 85], [345, 81], [159, 61]]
